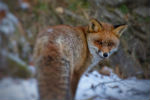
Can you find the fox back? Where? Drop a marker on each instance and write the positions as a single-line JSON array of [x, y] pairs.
[[63, 53]]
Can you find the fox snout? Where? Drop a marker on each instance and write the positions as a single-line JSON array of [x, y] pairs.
[[103, 54]]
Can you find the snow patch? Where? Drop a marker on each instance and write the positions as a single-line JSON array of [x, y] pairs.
[[9, 22], [99, 87], [24, 5], [50, 30], [92, 85], [3, 6], [18, 89]]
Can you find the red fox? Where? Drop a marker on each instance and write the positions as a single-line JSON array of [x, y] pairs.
[[63, 53]]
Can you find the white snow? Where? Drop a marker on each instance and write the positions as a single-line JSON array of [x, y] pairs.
[[92, 85], [18, 89], [24, 5], [32, 69], [50, 30], [9, 22], [3, 6], [99, 87]]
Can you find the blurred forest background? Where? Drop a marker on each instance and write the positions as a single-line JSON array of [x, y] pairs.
[[21, 20]]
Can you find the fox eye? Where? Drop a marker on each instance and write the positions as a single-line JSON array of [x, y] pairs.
[[110, 44], [99, 42]]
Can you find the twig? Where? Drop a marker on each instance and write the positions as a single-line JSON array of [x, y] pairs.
[[107, 83], [69, 13]]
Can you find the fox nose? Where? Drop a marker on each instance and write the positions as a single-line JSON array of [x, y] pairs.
[[105, 54]]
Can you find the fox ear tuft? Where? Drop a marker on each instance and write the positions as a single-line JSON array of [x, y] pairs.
[[119, 29], [94, 26]]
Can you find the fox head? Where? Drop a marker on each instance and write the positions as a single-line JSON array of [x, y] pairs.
[[103, 38]]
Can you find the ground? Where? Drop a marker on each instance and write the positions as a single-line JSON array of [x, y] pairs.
[[92, 86]]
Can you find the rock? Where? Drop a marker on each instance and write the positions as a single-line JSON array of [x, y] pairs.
[[105, 71]]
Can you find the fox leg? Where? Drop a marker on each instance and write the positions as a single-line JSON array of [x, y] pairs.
[[74, 83]]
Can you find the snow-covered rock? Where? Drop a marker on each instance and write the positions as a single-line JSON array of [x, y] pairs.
[[100, 87]]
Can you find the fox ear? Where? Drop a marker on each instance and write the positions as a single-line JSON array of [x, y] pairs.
[[119, 29], [94, 26]]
